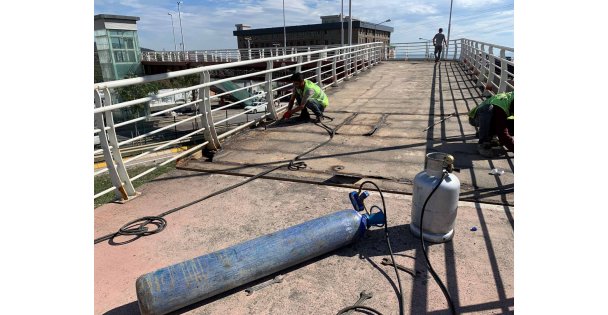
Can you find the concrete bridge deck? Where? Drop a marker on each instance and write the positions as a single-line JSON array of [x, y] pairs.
[[395, 100]]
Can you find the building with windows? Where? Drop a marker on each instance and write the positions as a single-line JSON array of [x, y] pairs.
[[325, 33], [117, 46]]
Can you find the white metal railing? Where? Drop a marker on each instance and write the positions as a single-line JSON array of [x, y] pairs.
[[492, 66], [325, 66], [228, 55], [423, 50]]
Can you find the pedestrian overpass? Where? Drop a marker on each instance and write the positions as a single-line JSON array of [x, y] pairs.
[[390, 107]]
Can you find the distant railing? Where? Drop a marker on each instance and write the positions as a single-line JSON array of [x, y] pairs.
[[323, 66], [423, 51], [492, 66], [227, 55]]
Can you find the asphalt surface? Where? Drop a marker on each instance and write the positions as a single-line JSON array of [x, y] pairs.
[[397, 99]]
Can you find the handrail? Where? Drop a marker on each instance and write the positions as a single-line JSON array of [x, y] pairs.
[[324, 65], [490, 65], [491, 69]]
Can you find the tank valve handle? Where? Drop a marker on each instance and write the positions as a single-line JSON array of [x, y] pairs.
[[357, 199], [449, 163]]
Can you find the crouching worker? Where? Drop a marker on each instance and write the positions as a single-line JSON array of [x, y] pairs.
[[309, 96], [493, 118]]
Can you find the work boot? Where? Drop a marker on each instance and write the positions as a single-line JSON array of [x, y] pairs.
[[495, 142], [485, 150], [303, 118]]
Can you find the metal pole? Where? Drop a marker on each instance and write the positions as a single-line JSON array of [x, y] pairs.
[[449, 26], [173, 28], [180, 26], [342, 24], [350, 24], [284, 29], [350, 37]]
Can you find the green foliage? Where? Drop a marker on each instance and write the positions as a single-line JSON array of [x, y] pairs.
[[137, 91]]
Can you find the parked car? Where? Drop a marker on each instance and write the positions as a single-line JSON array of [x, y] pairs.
[[259, 96], [257, 107]]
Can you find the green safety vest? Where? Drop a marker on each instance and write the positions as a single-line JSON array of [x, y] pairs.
[[502, 100], [319, 94]]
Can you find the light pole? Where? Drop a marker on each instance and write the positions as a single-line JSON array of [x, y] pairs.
[[350, 24], [449, 26], [428, 53], [284, 29], [180, 26], [350, 37], [375, 25], [173, 28], [342, 24]]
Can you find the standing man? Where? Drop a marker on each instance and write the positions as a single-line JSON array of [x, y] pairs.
[[308, 95], [438, 42]]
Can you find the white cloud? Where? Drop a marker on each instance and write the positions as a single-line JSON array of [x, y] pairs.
[[209, 24], [476, 3]]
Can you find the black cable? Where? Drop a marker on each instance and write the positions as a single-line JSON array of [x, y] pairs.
[[140, 229], [426, 257], [388, 242], [357, 307]]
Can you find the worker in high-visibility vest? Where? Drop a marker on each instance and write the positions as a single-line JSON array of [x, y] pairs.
[[309, 96], [493, 117]]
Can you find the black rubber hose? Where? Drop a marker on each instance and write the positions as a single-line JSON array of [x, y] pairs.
[[139, 230], [426, 257], [388, 243], [357, 307]]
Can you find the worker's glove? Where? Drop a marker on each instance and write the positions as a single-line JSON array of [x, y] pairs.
[[287, 115]]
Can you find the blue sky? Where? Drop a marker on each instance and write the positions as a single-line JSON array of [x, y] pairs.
[[208, 24]]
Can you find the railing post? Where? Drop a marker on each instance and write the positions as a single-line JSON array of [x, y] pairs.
[[269, 92], [357, 52], [481, 64], [116, 167], [491, 67], [207, 118], [319, 65], [365, 57], [502, 85], [308, 56], [299, 64], [334, 65], [467, 50], [475, 58], [347, 61]]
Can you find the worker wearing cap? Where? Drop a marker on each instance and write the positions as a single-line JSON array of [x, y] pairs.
[[309, 96], [493, 117]]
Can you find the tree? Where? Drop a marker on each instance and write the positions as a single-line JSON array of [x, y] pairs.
[[137, 91]]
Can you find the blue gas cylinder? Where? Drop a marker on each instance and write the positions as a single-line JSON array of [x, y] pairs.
[[191, 281]]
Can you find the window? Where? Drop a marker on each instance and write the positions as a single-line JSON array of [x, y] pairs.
[[129, 43], [117, 42], [121, 56]]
